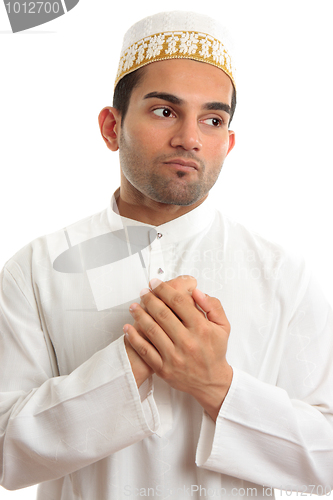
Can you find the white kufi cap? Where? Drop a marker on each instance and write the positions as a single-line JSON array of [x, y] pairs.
[[177, 34]]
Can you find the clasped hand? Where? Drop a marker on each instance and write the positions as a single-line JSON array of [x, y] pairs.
[[183, 346]]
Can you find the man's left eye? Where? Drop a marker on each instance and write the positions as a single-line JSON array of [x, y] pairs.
[[163, 112], [215, 122]]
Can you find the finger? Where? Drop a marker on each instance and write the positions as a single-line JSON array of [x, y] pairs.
[[144, 349], [212, 307], [140, 332], [168, 315], [201, 310], [184, 283], [180, 302], [140, 369], [151, 328]]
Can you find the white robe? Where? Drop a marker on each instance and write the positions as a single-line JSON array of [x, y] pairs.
[[71, 416]]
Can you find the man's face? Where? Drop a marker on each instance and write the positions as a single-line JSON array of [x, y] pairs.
[[175, 136]]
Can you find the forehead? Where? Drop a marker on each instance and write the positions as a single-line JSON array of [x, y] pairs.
[[190, 80]]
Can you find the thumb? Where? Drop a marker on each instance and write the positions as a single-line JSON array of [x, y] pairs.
[[212, 307]]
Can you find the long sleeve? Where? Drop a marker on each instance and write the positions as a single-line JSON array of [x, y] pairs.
[[281, 435], [52, 425]]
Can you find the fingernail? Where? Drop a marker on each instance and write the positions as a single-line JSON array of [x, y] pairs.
[[125, 329], [153, 283], [144, 291]]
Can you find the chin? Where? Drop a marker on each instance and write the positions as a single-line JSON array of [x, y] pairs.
[[173, 198]]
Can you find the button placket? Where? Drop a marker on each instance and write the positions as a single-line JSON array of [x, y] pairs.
[[157, 264]]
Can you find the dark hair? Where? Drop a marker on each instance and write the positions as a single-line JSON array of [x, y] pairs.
[[125, 86], [123, 91], [233, 103]]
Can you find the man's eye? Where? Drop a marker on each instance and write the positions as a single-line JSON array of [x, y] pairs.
[[163, 112], [215, 122]]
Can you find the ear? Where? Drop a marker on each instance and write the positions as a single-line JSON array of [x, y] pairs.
[[109, 121], [232, 139]]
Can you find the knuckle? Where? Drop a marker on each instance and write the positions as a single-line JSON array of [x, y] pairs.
[[177, 299], [183, 282], [190, 347], [152, 330], [142, 351], [178, 363], [163, 314]]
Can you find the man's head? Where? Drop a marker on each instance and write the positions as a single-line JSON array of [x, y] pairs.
[[175, 137]]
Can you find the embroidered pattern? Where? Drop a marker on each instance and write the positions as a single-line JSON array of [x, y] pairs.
[[141, 53], [172, 44], [188, 43], [205, 45], [130, 57], [218, 53], [178, 44], [155, 46]]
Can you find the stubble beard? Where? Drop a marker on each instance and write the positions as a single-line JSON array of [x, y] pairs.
[[151, 183]]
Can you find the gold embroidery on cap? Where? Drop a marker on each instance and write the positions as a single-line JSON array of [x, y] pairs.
[[176, 44]]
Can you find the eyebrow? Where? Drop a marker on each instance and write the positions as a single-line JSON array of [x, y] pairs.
[[211, 106]]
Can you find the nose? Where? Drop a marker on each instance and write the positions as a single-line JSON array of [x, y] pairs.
[[187, 135]]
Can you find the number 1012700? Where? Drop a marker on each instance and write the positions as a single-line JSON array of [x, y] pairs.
[[33, 7]]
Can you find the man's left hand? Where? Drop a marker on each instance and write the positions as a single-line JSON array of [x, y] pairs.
[[184, 348]]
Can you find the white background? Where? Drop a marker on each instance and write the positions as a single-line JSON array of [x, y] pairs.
[[55, 79]]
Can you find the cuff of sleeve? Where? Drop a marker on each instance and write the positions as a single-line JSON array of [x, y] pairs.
[[143, 395], [209, 428], [255, 418]]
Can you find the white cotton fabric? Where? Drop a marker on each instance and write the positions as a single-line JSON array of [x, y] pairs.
[[71, 416]]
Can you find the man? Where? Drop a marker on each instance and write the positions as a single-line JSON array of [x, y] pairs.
[[181, 405]]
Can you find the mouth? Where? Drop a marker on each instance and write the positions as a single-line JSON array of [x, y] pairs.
[[181, 164]]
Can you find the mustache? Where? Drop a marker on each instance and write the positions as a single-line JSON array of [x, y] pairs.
[[185, 155]]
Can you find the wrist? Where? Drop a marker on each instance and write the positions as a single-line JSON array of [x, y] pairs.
[[214, 395]]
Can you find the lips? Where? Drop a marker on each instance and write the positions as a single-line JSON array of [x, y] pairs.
[[182, 163]]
